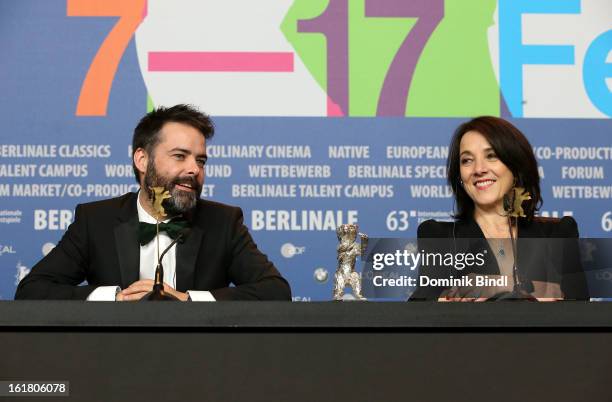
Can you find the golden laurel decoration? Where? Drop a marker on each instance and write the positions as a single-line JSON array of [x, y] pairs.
[[158, 195], [514, 207]]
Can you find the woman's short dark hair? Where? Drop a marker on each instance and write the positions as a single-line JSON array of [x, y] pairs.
[[511, 147], [146, 133]]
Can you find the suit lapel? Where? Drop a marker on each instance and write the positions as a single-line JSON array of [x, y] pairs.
[[186, 256], [126, 242], [475, 237], [468, 228], [529, 246]]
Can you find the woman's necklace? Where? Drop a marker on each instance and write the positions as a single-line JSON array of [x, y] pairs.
[[496, 243], [501, 251]]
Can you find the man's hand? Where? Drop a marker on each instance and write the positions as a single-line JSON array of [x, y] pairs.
[[140, 288]]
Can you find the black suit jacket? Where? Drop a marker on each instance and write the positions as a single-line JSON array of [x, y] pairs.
[[101, 246], [547, 250]]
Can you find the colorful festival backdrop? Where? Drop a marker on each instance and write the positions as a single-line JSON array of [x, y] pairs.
[[326, 111]]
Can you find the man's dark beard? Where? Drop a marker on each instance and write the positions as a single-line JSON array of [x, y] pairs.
[[181, 201]]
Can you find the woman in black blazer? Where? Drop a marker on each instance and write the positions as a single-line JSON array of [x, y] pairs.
[[494, 176]]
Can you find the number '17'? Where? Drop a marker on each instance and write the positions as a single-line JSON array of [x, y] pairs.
[[333, 23]]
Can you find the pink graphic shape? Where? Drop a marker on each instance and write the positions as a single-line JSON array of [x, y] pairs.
[[261, 62], [333, 109]]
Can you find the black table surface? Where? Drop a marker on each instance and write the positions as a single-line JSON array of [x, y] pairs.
[[313, 315], [323, 351]]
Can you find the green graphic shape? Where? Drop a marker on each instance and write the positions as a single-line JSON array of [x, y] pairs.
[[150, 104], [453, 78], [311, 48]]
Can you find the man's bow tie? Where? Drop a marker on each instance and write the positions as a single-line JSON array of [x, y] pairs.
[[147, 231]]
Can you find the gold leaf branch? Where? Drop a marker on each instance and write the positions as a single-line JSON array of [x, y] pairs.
[[159, 194], [517, 197]]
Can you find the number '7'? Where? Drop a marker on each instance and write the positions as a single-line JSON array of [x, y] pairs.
[[394, 92], [96, 87]]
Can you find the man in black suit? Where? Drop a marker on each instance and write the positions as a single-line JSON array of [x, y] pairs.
[[109, 244]]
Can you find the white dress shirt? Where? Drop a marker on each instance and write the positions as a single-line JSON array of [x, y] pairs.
[[148, 262]]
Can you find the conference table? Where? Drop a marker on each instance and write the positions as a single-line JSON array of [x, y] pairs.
[[317, 351]]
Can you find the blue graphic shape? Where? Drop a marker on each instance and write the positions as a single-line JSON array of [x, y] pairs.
[[513, 54], [596, 70]]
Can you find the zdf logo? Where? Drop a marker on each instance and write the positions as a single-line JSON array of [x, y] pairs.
[[288, 250]]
